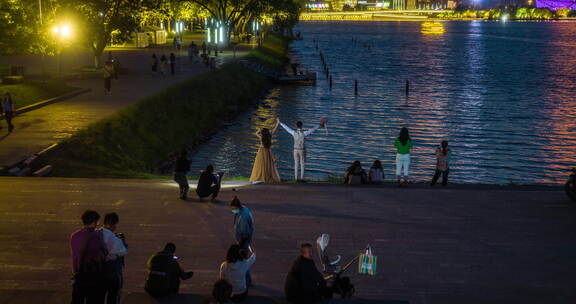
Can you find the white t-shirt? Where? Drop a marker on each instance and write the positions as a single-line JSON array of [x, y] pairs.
[[235, 274]]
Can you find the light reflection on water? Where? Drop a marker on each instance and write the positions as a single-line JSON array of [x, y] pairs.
[[504, 95]]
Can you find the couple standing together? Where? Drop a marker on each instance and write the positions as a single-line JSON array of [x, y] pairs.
[[264, 170]]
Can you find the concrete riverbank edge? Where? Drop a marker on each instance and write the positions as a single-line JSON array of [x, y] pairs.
[[50, 101], [137, 140]]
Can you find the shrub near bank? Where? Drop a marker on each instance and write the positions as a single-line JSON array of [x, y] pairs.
[[134, 141]]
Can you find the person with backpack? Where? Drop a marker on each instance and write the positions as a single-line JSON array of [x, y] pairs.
[[403, 144], [442, 160], [88, 257]]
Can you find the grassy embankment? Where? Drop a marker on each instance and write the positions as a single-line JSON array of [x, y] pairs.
[[134, 141], [33, 91]]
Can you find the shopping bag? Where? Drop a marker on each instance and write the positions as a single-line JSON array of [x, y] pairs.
[[367, 263]]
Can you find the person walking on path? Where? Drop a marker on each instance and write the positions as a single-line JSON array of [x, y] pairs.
[[235, 269], [88, 256], [7, 107], [442, 161], [108, 71], [180, 171], [403, 144], [163, 65], [243, 229], [114, 266], [172, 63], [204, 47], [299, 146], [264, 169], [154, 64]]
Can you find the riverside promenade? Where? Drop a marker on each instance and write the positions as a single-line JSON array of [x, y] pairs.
[[40, 128], [460, 244]]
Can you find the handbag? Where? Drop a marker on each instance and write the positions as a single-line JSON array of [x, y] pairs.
[[367, 263]]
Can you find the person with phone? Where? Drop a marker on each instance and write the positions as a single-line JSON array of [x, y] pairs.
[[165, 273]]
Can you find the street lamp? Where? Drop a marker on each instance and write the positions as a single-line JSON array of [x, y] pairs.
[[62, 33]]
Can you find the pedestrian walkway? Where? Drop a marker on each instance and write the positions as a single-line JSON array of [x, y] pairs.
[[434, 245], [40, 128]]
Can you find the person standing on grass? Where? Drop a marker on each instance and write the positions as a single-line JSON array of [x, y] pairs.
[[180, 171], [243, 229], [88, 257], [172, 63], [108, 71], [403, 146], [114, 265], [442, 160], [7, 107]]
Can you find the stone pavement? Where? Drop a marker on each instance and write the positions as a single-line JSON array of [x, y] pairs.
[[40, 128], [434, 245]]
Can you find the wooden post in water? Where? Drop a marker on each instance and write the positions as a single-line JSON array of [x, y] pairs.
[[330, 82], [356, 87], [407, 87]]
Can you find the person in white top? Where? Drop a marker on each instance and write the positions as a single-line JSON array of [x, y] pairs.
[[299, 146], [234, 271], [115, 259]]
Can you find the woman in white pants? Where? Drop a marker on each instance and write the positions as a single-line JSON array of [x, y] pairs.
[[403, 146]]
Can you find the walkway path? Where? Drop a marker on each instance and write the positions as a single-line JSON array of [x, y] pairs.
[[435, 245], [40, 128]]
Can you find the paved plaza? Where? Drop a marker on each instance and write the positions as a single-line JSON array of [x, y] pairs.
[[435, 245]]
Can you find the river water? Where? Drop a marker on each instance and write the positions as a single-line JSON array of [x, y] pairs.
[[502, 94]]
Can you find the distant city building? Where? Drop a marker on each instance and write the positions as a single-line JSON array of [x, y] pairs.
[[556, 4]]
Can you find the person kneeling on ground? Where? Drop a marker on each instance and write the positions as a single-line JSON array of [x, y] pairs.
[[209, 183], [355, 175], [304, 283], [164, 273], [234, 270], [376, 174]]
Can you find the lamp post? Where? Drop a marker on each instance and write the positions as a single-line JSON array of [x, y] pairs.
[[62, 33]]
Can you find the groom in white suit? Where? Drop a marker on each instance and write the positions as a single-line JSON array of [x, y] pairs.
[[299, 146]]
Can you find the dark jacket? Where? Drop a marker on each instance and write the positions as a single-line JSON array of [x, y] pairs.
[[243, 227], [205, 184], [182, 165], [304, 283], [164, 275]]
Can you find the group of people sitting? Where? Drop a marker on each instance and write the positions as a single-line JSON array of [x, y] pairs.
[[98, 263], [356, 175]]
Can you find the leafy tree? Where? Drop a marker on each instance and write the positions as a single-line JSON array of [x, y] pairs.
[[97, 19]]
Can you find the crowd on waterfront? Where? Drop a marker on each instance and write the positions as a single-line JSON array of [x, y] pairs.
[[98, 255], [264, 169]]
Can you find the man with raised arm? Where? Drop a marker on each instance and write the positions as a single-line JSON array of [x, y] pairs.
[[299, 146]]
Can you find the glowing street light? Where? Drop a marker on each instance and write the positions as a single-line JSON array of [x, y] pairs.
[[63, 33]]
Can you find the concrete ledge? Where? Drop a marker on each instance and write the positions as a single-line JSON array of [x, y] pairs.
[[46, 102]]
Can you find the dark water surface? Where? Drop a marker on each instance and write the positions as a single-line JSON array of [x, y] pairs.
[[503, 94]]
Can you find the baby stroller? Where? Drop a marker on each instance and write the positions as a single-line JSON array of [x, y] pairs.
[[333, 271]]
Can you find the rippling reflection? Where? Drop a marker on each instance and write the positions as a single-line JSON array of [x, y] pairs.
[[503, 94]]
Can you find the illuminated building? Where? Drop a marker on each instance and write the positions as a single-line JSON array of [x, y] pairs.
[[556, 4]]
